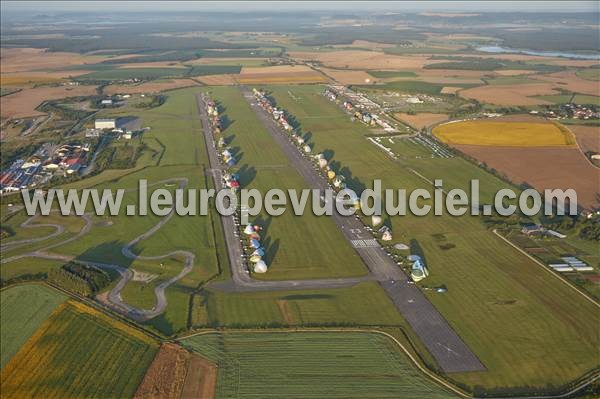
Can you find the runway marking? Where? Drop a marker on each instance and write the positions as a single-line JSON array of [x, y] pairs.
[[372, 243]]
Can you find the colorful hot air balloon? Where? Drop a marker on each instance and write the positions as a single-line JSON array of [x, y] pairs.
[[260, 267], [331, 174]]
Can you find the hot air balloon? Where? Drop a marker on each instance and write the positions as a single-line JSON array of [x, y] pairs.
[[387, 236], [331, 174], [255, 244], [259, 252], [338, 181], [255, 236], [376, 220], [300, 140], [254, 258], [260, 267], [307, 149], [248, 229], [322, 163]]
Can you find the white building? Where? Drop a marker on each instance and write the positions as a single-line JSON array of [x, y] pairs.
[[104, 124]]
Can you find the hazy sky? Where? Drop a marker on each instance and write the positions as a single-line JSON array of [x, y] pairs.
[[244, 6]]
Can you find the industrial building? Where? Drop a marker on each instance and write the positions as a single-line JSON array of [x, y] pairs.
[[105, 124]]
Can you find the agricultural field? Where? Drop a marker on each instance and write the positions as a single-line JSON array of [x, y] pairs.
[[134, 73], [421, 120], [23, 310], [283, 74], [166, 375], [542, 168], [110, 357], [283, 364], [504, 282], [24, 103], [510, 134], [296, 247]]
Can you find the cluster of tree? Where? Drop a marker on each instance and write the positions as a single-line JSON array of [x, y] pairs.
[[81, 279], [590, 230], [156, 101]]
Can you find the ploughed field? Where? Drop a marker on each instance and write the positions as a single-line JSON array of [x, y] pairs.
[[542, 155], [312, 365], [499, 302]]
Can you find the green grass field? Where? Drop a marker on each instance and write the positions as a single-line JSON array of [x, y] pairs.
[[109, 357], [501, 303], [364, 304], [589, 73], [23, 309], [312, 365], [201, 70], [297, 247]]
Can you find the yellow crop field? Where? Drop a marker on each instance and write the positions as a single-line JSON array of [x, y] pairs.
[[79, 352], [501, 133]]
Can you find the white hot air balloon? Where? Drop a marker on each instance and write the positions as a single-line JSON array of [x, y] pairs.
[[307, 149], [322, 163], [249, 230], [260, 267], [376, 220]]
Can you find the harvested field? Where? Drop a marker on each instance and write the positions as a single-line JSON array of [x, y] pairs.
[[588, 137], [363, 60], [166, 376], [275, 70], [23, 103], [31, 78], [201, 379], [450, 90], [421, 120], [362, 44], [515, 72], [511, 95], [349, 77], [216, 80], [280, 74], [568, 80], [496, 133], [31, 59], [150, 87], [543, 168]]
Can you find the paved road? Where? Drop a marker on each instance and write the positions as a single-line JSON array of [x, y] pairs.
[[240, 278], [450, 352], [113, 298]]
